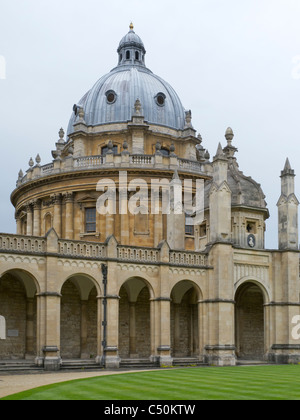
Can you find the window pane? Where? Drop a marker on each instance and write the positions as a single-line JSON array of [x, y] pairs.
[[90, 220], [189, 226]]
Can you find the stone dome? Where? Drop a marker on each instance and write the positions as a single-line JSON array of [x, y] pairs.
[[112, 98], [246, 192], [131, 38]]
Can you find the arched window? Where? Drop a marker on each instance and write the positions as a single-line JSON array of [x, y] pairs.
[[2, 328], [137, 55], [48, 222], [127, 55]]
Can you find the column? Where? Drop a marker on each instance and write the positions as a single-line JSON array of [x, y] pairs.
[[164, 349], [56, 199], [176, 328], [112, 360], [153, 328], [110, 216], [99, 329], [19, 224], [132, 329], [30, 351], [41, 329], [69, 199], [52, 361], [29, 211], [123, 210], [37, 218], [84, 332]]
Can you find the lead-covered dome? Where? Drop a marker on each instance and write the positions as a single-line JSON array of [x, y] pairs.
[[112, 98]]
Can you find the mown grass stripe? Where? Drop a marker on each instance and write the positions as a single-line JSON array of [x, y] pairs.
[[245, 383]]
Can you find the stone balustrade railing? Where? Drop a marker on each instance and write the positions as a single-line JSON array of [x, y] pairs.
[[81, 249], [126, 253], [118, 161], [99, 251], [22, 244], [188, 258]]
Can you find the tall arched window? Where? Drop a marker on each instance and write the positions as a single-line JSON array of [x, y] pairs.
[[48, 222], [127, 55]]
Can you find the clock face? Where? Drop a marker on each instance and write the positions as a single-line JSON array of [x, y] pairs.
[[251, 241]]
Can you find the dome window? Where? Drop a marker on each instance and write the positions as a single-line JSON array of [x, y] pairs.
[[127, 55], [137, 55], [111, 97], [160, 99]]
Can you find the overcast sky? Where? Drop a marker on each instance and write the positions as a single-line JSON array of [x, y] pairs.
[[233, 63]]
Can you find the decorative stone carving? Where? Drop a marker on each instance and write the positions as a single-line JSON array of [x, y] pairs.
[[38, 160], [137, 107], [68, 197], [56, 199]]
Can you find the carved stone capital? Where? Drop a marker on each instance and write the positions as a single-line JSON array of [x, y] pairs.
[[68, 197], [56, 199], [28, 207], [36, 204]]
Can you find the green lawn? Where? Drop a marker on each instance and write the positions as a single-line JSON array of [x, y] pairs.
[[236, 383]]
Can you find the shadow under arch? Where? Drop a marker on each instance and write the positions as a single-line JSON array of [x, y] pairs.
[[80, 317], [250, 299], [28, 280], [182, 287], [185, 324], [84, 283], [136, 295], [18, 306], [135, 284]]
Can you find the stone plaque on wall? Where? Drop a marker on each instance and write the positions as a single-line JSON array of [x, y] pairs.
[[13, 333]]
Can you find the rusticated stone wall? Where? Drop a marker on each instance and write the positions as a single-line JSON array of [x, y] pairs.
[[13, 307], [70, 322], [250, 323], [142, 320], [75, 342]]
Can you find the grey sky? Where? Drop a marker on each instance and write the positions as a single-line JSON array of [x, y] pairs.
[[233, 63]]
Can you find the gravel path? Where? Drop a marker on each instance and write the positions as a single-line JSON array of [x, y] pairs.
[[18, 383]]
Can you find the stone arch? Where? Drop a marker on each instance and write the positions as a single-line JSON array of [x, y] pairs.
[[28, 280], [185, 328], [135, 294], [18, 303], [135, 284], [84, 283], [80, 318], [250, 298], [250, 279]]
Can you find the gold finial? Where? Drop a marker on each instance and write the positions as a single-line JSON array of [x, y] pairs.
[[131, 27]]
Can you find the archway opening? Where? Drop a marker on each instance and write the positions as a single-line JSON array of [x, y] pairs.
[[184, 320], [134, 320], [250, 322], [78, 324], [18, 309]]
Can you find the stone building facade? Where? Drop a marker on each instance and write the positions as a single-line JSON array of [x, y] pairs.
[[115, 287]]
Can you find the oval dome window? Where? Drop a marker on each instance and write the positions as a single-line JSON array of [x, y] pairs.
[[160, 99], [111, 97]]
